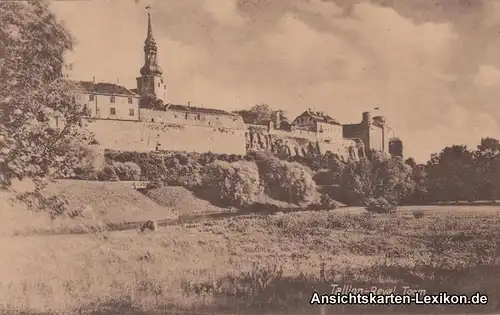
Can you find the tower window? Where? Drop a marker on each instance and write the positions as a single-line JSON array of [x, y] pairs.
[[91, 97], [112, 110], [131, 112], [130, 100], [158, 84], [112, 99]]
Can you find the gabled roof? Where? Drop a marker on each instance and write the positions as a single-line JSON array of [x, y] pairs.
[[103, 88], [185, 108], [319, 116]]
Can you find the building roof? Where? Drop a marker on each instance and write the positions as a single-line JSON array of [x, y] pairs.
[[320, 116], [103, 88], [186, 108]]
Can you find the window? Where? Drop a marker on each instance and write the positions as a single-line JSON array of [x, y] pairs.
[[112, 110], [130, 100], [91, 97], [131, 112], [112, 99], [158, 84]]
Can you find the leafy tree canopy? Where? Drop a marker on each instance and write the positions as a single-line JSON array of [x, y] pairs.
[[33, 93]]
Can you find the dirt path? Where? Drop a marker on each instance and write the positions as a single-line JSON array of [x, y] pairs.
[[124, 226]]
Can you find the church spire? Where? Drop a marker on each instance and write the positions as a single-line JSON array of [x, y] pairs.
[[150, 30], [151, 66]]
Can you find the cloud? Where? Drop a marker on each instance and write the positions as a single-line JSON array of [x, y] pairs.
[[223, 11], [487, 76], [343, 57]]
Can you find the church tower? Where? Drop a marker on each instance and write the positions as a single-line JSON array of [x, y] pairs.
[[150, 83]]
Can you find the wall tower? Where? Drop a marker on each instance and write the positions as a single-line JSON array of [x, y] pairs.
[[151, 82]]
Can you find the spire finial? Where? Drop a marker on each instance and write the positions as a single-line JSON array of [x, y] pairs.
[[150, 28]]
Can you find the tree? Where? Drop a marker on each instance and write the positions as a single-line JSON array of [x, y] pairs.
[[451, 174], [378, 177], [411, 162], [487, 163], [259, 114], [33, 91], [235, 184], [286, 181]]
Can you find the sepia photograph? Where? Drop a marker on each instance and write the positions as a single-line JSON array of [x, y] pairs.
[[249, 157]]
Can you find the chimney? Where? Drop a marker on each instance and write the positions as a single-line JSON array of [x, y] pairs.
[[189, 103], [93, 79]]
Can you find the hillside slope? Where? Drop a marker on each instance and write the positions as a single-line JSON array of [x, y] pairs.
[[181, 200], [111, 202]]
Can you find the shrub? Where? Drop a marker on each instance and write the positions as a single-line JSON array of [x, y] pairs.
[[127, 170], [91, 163], [380, 205], [108, 173], [418, 214], [287, 181], [327, 202], [236, 184], [182, 170]]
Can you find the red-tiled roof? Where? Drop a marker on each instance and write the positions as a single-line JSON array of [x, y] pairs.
[[103, 88], [186, 108]]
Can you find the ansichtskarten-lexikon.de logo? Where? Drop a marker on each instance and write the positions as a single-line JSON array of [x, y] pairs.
[[442, 298]]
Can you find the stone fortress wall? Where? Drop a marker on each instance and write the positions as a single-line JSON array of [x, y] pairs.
[[150, 136], [207, 132]]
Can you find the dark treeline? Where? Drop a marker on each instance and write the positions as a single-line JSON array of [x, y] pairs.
[[454, 174]]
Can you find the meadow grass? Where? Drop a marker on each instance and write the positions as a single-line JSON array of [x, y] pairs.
[[267, 262]]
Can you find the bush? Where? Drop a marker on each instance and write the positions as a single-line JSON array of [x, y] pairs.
[[108, 173], [91, 163], [234, 184], [287, 181], [418, 214], [183, 169], [127, 171], [379, 205], [170, 167], [327, 202]]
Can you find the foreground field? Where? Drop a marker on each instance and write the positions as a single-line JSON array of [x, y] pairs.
[[271, 263]]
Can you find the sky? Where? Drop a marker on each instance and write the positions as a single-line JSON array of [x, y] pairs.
[[432, 67]]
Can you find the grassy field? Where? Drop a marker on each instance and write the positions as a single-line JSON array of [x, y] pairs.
[[267, 263]]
